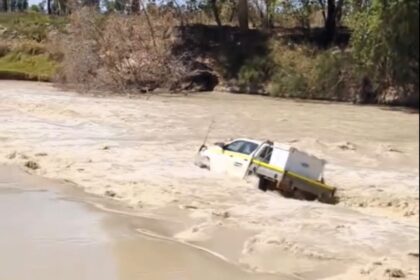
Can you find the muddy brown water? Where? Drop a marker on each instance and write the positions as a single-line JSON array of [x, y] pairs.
[[45, 234]]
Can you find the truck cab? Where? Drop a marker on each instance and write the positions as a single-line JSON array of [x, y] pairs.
[[232, 157]]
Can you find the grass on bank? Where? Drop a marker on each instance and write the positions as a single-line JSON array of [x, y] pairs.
[[30, 25], [22, 66], [23, 54]]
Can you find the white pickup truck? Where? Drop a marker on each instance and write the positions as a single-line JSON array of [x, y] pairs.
[[292, 172]]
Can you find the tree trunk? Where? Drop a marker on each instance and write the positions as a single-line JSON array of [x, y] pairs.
[[5, 6], [232, 14], [180, 13], [264, 17], [215, 12], [339, 12], [243, 14], [330, 23], [149, 23], [268, 22], [49, 11], [324, 16], [135, 6]]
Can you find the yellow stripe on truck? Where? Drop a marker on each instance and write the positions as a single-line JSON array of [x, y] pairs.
[[237, 155], [229, 153], [293, 174], [269, 166]]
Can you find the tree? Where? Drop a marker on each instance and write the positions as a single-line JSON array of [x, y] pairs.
[[243, 14], [265, 10], [385, 41], [270, 9], [19, 5], [300, 10], [35, 8], [215, 11], [135, 6], [13, 5], [5, 6], [330, 22], [49, 7], [115, 5], [339, 12], [332, 18]]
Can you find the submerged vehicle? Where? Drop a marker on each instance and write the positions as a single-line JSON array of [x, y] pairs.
[[292, 172]]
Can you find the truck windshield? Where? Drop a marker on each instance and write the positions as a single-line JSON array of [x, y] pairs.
[[248, 148], [242, 147]]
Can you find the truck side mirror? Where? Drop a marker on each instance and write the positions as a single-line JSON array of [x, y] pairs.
[[220, 144]]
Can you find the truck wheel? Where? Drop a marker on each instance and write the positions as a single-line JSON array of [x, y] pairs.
[[298, 194], [302, 195], [328, 199], [263, 184]]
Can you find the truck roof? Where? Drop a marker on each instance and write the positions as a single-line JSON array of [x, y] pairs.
[[258, 142], [282, 146], [278, 145]]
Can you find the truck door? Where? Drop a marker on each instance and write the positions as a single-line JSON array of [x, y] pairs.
[[239, 161]]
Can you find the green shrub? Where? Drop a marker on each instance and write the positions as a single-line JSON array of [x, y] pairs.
[[289, 83], [333, 76], [256, 70], [35, 8], [292, 68], [31, 48], [385, 41], [24, 66], [308, 73], [32, 26]]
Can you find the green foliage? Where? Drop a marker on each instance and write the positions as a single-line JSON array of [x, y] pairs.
[[386, 41], [34, 8], [32, 26], [115, 5], [289, 83], [25, 66], [19, 5], [256, 70], [290, 78], [30, 48], [306, 73], [333, 75], [299, 11]]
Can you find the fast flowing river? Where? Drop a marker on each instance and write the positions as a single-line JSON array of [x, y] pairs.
[[44, 234]]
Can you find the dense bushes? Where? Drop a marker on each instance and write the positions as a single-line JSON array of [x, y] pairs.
[[27, 60], [380, 65], [256, 70], [18, 65], [325, 75], [304, 72], [24, 52], [363, 73], [118, 52], [30, 26], [385, 44]]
